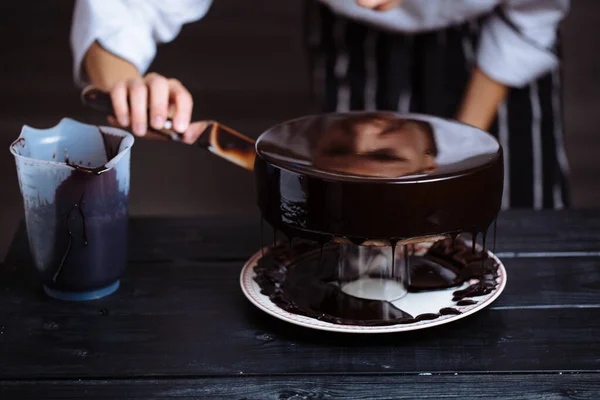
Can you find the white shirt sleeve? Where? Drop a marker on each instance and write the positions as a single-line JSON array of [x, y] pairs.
[[130, 29], [516, 48]]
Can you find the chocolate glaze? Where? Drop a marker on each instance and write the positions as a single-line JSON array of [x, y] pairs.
[[302, 195], [299, 282], [112, 143], [95, 216]]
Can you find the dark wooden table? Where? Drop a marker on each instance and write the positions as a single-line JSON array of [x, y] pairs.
[[180, 327]]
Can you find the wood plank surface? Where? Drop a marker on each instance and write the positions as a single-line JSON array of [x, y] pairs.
[[200, 238], [323, 387], [167, 288], [156, 239], [171, 320]]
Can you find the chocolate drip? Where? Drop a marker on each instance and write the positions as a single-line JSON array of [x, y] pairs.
[[426, 317], [484, 237], [262, 247], [357, 241], [450, 311], [495, 229], [79, 208], [83, 223], [407, 264], [322, 249], [393, 268], [67, 250]]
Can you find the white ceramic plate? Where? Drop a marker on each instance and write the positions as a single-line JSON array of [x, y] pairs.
[[412, 303]]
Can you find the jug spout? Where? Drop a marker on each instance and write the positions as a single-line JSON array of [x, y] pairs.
[[47, 157], [72, 143]]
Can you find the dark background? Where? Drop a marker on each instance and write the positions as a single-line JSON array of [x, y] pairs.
[[245, 65]]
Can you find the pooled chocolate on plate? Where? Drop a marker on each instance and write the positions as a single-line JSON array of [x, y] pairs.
[[302, 281]]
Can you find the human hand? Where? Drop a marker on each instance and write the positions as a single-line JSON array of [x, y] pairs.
[[150, 101], [379, 5], [481, 100]]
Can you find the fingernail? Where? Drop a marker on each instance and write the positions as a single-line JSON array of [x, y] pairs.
[[139, 129], [124, 121], [179, 126], [158, 122]]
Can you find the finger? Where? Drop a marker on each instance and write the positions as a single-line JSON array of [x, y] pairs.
[[118, 96], [138, 103], [379, 5], [112, 121], [194, 131], [158, 88], [182, 99], [387, 6]]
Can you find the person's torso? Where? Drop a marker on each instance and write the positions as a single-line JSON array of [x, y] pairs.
[[415, 15]]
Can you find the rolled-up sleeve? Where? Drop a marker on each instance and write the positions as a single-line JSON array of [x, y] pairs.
[[517, 43], [130, 29]]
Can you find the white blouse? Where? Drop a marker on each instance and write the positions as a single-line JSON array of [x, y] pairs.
[[513, 50]]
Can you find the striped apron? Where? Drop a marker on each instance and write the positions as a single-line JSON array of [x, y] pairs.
[[355, 67]]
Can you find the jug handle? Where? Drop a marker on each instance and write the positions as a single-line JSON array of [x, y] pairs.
[[217, 138]]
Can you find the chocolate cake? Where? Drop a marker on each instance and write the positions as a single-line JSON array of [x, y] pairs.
[[364, 176], [376, 179]]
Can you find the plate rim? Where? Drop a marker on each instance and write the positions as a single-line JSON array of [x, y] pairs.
[[247, 272]]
